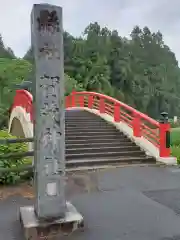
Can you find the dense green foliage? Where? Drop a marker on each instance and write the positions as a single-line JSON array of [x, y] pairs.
[[5, 52], [12, 71], [10, 177], [7, 78], [141, 71]]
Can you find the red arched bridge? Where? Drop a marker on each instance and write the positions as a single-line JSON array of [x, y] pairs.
[[100, 130]]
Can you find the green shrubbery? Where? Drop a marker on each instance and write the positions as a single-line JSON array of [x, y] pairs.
[[174, 124], [175, 143], [10, 177]]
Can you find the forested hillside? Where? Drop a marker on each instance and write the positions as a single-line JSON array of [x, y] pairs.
[[141, 71]]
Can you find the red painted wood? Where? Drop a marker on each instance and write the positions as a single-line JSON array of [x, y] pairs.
[[141, 124], [136, 125], [117, 112], [101, 105], [163, 150], [90, 101], [24, 99]]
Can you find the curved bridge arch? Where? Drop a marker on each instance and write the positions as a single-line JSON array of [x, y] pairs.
[[20, 122], [20, 119], [16, 128], [146, 132]]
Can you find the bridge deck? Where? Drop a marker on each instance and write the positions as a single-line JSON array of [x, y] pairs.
[[139, 203]]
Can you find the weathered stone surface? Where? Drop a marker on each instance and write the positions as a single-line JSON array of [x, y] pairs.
[[49, 144], [51, 229]]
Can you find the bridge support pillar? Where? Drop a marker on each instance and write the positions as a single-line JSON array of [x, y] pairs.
[[51, 214]]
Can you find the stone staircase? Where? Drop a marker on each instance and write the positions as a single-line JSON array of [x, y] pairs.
[[91, 142]]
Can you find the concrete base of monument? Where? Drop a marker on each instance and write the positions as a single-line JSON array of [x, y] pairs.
[[35, 229]]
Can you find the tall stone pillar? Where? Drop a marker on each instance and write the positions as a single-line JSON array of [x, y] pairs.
[[49, 160], [51, 215]]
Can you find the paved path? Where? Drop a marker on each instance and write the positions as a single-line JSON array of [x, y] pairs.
[[131, 203]]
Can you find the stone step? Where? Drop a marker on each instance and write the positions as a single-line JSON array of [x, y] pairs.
[[75, 140], [103, 149], [94, 133], [99, 144], [103, 154], [91, 142], [84, 128], [97, 136], [81, 118], [86, 125], [100, 161]]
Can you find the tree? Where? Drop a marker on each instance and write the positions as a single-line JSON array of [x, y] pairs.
[[140, 70], [5, 53]]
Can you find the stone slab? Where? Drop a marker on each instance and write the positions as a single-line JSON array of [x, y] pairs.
[[35, 229]]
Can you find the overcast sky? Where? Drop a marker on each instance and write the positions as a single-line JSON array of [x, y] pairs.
[[163, 15]]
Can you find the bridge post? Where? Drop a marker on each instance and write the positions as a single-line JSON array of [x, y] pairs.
[[164, 132], [49, 130], [136, 125]]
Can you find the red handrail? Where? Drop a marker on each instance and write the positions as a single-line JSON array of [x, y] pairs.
[[141, 124], [129, 108], [24, 99]]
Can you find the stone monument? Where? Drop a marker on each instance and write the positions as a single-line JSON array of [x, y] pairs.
[[51, 211]]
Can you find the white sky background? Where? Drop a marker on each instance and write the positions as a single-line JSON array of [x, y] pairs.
[[122, 15]]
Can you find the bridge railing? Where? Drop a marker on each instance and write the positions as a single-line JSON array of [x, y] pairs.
[[142, 125], [24, 99]]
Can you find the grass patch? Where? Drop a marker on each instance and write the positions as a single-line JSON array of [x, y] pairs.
[[175, 152], [175, 143], [175, 136]]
